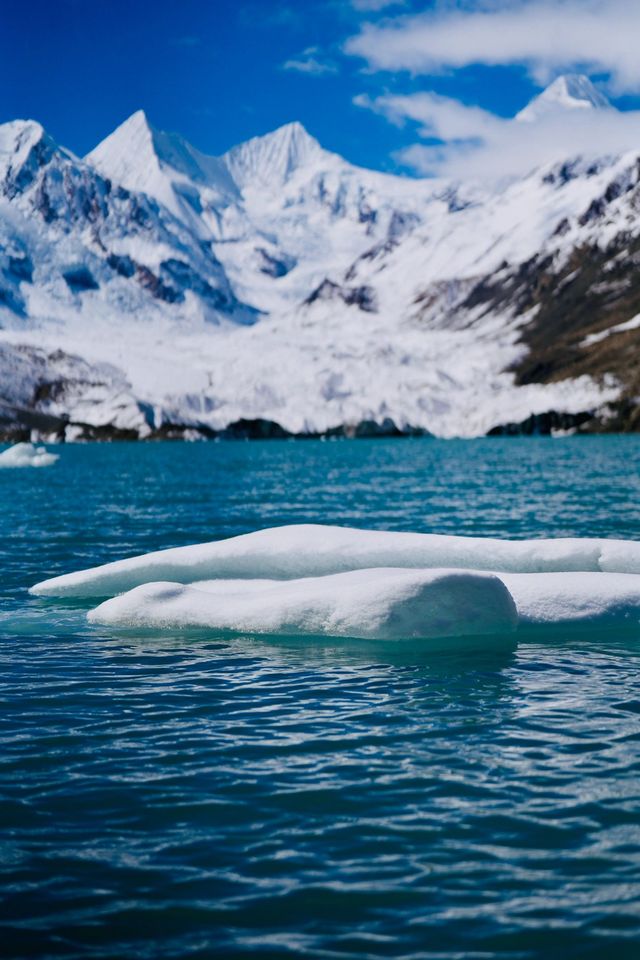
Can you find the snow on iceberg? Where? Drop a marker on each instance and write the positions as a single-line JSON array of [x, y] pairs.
[[383, 604], [27, 455], [378, 604], [575, 599], [314, 550]]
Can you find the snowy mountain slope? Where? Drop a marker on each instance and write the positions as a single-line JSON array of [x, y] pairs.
[[95, 242], [561, 266], [88, 260], [278, 207], [272, 160], [569, 92], [59, 382], [150, 289], [195, 188]]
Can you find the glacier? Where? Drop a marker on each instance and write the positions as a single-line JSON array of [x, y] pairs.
[[149, 290]]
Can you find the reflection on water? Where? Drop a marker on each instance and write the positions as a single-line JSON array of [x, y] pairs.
[[190, 795]]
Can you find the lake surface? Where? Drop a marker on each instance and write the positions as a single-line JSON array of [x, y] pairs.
[[198, 796]]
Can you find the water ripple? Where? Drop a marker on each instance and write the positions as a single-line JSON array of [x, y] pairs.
[[191, 796]]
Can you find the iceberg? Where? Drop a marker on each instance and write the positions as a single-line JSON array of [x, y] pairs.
[[27, 455], [383, 604], [380, 604], [334, 581], [315, 550]]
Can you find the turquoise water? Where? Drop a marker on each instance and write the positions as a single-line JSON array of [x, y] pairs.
[[197, 796]]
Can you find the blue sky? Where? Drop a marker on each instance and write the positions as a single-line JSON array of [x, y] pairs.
[[221, 71]]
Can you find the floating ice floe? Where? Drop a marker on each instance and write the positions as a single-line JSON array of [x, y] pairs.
[[27, 455], [313, 550], [378, 604], [332, 581], [384, 604]]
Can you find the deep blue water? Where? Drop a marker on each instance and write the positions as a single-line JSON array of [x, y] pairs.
[[197, 796]]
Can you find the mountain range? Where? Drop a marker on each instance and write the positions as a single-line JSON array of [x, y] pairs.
[[149, 290]]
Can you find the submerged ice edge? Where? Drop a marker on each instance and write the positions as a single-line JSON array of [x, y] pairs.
[[310, 550]]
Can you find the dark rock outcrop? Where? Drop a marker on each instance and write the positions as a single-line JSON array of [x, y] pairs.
[[363, 297]]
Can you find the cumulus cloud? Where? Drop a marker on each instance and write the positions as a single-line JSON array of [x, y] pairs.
[[468, 142], [308, 62], [436, 116], [545, 36]]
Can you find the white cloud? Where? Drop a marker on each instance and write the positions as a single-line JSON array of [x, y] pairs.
[[475, 143], [595, 36], [439, 117], [308, 62]]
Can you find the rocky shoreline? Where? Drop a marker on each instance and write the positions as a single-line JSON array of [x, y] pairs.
[[39, 427]]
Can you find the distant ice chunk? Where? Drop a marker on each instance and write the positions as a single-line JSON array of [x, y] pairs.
[[579, 599], [311, 550], [27, 455], [378, 604]]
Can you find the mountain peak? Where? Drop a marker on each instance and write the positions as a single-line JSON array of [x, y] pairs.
[[135, 129], [24, 147], [19, 134], [571, 91], [293, 134], [128, 154], [294, 131], [137, 121], [274, 157], [146, 159]]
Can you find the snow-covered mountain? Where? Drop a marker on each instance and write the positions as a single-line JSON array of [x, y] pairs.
[[572, 91], [152, 290]]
